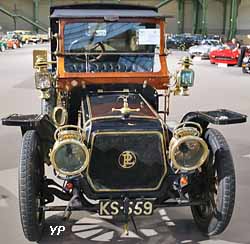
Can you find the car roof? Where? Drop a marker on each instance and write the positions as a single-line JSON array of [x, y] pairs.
[[103, 10]]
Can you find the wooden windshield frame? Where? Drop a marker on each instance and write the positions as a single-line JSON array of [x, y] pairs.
[[158, 79]]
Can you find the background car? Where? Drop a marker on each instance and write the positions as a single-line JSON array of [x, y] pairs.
[[12, 43], [204, 48], [43, 37], [3, 45], [25, 35], [183, 41], [225, 54], [246, 61], [34, 39], [246, 65]]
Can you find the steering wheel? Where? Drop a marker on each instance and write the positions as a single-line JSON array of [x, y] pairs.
[[90, 48]]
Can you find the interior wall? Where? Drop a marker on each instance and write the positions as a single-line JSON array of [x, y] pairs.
[[215, 13], [243, 23], [171, 11], [188, 16], [23, 7], [215, 17]]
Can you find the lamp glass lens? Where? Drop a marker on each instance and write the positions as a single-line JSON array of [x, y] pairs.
[[189, 153], [70, 157]]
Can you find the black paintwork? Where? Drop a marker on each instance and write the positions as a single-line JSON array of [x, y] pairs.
[[218, 117], [104, 6], [40, 123], [149, 93], [104, 169]]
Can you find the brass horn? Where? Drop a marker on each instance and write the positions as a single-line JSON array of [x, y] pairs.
[[60, 114]]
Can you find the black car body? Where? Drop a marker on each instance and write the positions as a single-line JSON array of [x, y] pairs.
[[101, 130]]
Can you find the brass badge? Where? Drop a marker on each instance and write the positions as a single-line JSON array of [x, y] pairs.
[[127, 159]]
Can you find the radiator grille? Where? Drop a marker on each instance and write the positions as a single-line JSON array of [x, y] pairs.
[[105, 172]]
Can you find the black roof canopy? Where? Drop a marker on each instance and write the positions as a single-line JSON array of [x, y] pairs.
[[103, 10]]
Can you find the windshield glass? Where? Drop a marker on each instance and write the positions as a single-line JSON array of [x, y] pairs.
[[111, 47]]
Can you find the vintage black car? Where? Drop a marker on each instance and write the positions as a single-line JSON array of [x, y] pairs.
[[101, 131]]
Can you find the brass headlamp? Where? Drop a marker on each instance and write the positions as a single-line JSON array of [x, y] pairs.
[[187, 150], [69, 155]]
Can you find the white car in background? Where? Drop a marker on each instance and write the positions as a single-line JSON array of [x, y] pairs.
[[204, 48]]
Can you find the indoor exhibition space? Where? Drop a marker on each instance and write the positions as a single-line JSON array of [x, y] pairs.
[[124, 121]]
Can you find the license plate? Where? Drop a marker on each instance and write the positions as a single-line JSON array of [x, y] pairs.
[[107, 208]]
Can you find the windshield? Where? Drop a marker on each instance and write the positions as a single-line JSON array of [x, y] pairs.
[[111, 47]]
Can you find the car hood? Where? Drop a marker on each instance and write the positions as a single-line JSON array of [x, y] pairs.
[[200, 48], [225, 52]]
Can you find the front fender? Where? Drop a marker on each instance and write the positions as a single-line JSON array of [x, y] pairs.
[[40, 123], [218, 117]]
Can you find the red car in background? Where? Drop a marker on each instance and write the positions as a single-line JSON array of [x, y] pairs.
[[226, 54]]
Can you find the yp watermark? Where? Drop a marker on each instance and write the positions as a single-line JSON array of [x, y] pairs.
[[57, 230]]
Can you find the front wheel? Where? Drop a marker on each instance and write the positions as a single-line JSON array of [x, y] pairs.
[[31, 175], [213, 217]]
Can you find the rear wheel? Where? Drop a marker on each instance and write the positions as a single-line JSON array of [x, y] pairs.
[[31, 174], [213, 217]]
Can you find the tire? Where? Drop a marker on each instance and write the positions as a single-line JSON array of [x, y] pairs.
[[31, 172], [244, 71], [213, 217]]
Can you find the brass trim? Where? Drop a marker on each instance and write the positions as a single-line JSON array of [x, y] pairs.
[[89, 106], [129, 159], [125, 110], [118, 117], [195, 131], [151, 108], [57, 145], [157, 116], [173, 146], [64, 116], [131, 132]]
